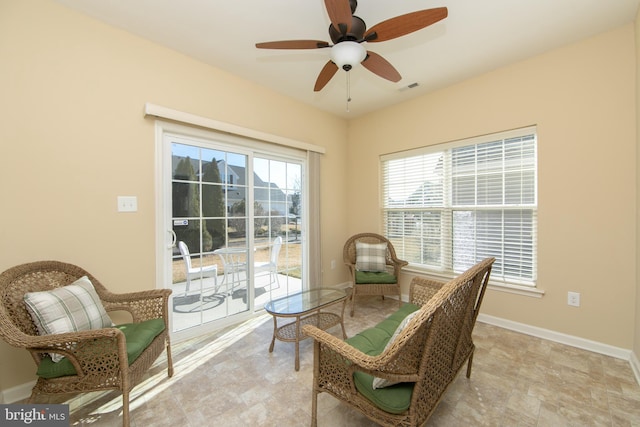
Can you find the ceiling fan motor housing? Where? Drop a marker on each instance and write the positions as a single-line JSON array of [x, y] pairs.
[[356, 33]]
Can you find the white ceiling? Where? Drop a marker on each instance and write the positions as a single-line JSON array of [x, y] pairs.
[[476, 37]]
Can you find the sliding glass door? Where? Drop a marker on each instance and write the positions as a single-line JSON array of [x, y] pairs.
[[234, 214], [277, 231]]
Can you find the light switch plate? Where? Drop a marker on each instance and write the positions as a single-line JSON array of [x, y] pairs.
[[127, 204]]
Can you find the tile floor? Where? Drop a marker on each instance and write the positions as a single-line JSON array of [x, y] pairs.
[[230, 378], [190, 310]]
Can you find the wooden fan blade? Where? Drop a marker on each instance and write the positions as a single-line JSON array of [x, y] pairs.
[[293, 44], [328, 71], [340, 14], [380, 66], [405, 24]]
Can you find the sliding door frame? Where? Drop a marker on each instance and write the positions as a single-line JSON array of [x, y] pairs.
[[165, 240]]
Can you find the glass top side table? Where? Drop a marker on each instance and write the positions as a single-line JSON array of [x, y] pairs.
[[305, 307]]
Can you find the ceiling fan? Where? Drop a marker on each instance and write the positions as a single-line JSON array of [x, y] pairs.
[[348, 32]]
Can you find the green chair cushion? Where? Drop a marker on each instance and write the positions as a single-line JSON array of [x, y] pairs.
[[394, 399], [375, 277], [138, 336]]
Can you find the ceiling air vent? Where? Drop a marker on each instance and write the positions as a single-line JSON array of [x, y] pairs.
[[411, 86]]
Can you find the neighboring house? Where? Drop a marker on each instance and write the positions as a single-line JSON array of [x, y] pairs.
[[267, 194]]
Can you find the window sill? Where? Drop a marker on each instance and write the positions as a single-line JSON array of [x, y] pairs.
[[512, 288]]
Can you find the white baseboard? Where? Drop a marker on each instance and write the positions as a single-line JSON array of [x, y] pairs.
[[635, 366], [596, 347], [17, 393]]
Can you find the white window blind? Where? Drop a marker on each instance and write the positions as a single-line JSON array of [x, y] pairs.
[[446, 207]]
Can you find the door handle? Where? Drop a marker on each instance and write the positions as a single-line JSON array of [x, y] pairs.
[[173, 239]]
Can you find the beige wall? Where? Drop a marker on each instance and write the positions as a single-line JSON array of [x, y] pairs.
[[74, 137], [582, 99]]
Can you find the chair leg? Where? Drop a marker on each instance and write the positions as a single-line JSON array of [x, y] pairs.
[[469, 363], [169, 359], [353, 303], [125, 408], [275, 273], [186, 290], [32, 396], [314, 408]]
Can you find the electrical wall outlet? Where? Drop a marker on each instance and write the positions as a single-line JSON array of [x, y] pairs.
[[573, 299], [333, 264]]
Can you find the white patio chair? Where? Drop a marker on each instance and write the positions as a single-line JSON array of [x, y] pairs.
[[197, 272], [272, 265]]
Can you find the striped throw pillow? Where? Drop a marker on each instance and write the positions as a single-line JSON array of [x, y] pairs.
[[371, 256], [382, 382], [72, 308]]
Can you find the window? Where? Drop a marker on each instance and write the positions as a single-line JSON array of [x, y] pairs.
[[448, 206]]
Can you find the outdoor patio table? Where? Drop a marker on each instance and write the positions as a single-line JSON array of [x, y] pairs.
[[306, 308], [233, 262]]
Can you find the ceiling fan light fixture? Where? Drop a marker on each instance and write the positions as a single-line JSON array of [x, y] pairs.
[[348, 54]]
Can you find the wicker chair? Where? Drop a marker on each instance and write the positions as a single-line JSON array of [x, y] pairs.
[[362, 286], [98, 356], [425, 357]]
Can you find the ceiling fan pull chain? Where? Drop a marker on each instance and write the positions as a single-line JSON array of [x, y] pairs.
[[348, 89]]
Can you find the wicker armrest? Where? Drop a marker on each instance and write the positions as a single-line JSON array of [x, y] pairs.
[[82, 348], [422, 290], [143, 305], [351, 267], [397, 262], [352, 354], [384, 365], [54, 340]]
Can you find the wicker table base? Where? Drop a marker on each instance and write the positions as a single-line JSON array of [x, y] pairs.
[[308, 313]]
